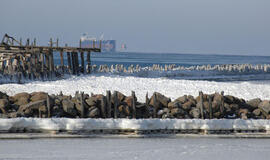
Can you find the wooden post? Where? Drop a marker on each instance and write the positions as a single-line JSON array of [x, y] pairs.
[[133, 105], [35, 42], [77, 63], [47, 64], [103, 107], [29, 67], [210, 107], [48, 106], [73, 63], [115, 104], [94, 45], [80, 43], [69, 62], [109, 104], [155, 106], [88, 62], [20, 41], [62, 61], [100, 44], [57, 41], [82, 62], [82, 105], [222, 104], [51, 63], [201, 104]]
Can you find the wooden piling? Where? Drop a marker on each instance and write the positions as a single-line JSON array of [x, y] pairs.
[[82, 62], [88, 62], [155, 106], [73, 63], [62, 61], [69, 62], [103, 107], [222, 104], [109, 103], [48, 106], [82, 105], [201, 104], [115, 104], [133, 105], [210, 107]]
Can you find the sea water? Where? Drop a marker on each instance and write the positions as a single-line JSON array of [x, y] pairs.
[[148, 59]]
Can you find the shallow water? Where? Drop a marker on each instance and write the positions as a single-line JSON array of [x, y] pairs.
[[135, 148]]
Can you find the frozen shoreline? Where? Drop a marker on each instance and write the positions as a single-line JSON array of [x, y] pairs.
[[68, 124], [170, 87]]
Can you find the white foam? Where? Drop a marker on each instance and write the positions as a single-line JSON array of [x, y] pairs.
[[170, 87]]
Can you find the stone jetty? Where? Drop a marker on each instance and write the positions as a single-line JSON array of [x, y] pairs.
[[118, 105]]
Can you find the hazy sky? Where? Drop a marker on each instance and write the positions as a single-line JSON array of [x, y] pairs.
[[179, 26]]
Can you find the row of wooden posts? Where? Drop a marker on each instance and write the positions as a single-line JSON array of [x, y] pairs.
[[32, 61], [106, 105]]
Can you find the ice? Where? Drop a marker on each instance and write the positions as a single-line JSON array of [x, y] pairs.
[[172, 88], [67, 124]]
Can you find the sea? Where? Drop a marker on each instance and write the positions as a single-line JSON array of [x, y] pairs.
[[181, 59]]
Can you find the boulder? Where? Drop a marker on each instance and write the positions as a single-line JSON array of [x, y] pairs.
[[160, 98], [182, 99], [188, 105], [265, 106], [128, 100], [175, 104], [69, 107], [254, 103], [37, 96], [177, 112], [32, 109], [93, 112], [195, 113], [3, 95], [4, 103], [22, 101], [91, 101], [18, 96], [257, 112], [120, 96]]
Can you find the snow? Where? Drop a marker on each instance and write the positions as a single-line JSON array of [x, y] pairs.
[[172, 88], [67, 124]]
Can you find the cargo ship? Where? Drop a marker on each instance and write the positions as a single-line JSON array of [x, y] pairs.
[[106, 45]]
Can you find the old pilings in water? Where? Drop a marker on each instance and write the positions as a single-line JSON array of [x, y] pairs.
[[31, 62]]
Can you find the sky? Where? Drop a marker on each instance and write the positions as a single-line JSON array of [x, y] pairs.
[[165, 26]]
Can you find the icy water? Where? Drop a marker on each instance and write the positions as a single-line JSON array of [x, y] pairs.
[[148, 148], [148, 59]]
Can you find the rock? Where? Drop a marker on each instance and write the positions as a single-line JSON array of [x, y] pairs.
[[217, 115], [4, 103], [177, 112], [218, 98], [93, 112], [195, 113], [244, 116], [257, 112], [182, 99], [188, 105], [14, 115], [128, 100], [161, 99], [160, 113], [254, 103], [3, 95], [91, 101], [206, 106], [69, 107], [229, 99], [127, 110], [265, 106], [37, 96], [234, 107], [175, 104], [32, 109], [19, 96], [244, 111], [120, 97], [22, 101], [204, 98]]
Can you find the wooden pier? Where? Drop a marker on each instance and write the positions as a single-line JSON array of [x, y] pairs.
[[30, 61]]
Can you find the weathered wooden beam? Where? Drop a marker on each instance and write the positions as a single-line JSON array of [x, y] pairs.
[[103, 107], [82, 62], [82, 105], [88, 62], [109, 104], [210, 107], [201, 104], [115, 99], [69, 62], [133, 104], [73, 63], [48, 106], [62, 61]]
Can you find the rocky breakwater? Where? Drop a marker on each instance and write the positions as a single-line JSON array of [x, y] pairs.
[[118, 105]]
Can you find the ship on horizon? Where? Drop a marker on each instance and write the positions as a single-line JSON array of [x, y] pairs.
[[106, 45]]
